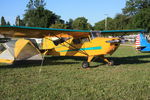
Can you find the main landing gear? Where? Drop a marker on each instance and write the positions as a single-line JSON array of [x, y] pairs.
[[86, 64], [110, 63]]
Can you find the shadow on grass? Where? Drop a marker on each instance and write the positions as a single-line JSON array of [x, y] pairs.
[[34, 63], [62, 60], [130, 59]]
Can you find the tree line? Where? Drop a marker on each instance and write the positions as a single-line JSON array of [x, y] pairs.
[[135, 15]]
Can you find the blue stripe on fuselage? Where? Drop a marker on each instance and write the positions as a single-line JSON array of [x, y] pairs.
[[90, 48]]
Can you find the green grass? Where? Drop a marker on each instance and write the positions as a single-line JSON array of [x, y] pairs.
[[61, 78]]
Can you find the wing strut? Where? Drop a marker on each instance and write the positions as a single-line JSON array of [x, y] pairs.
[[82, 51], [42, 61]]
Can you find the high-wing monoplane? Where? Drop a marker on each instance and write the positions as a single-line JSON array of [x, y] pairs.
[[30, 43]]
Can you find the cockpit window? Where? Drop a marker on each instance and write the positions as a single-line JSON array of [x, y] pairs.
[[81, 40], [85, 39], [95, 34], [76, 41], [60, 40], [2, 48]]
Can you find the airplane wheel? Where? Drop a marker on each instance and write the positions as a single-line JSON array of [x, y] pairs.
[[85, 64], [111, 63]]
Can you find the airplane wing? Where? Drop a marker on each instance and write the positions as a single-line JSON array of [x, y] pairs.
[[37, 32], [120, 32]]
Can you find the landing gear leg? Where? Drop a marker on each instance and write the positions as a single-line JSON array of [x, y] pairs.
[[86, 64], [110, 63]]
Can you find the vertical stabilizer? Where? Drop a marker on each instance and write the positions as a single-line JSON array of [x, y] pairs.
[[142, 43]]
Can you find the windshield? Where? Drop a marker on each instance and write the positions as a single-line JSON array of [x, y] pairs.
[[95, 34]]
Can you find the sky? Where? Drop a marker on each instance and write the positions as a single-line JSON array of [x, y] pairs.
[[93, 10]]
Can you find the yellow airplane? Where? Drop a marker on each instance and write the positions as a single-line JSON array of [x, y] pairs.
[[30, 43]]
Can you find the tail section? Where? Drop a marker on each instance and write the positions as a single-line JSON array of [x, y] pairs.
[[141, 43]]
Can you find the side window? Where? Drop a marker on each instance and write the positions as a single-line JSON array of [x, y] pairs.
[[60, 40], [85, 39], [76, 41], [95, 34]]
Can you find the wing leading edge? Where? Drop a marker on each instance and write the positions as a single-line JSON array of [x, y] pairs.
[[121, 32], [37, 32]]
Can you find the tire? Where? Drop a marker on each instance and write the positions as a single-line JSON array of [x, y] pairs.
[[111, 63], [85, 64]]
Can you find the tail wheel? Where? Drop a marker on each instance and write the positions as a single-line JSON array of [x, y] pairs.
[[111, 63], [85, 64]]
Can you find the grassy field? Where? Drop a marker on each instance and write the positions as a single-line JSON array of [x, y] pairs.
[[61, 78]]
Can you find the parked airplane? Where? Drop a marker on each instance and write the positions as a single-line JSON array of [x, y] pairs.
[[56, 42]]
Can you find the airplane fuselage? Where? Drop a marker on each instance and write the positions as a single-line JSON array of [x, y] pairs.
[[86, 47]]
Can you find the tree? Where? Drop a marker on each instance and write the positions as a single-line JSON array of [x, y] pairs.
[[81, 23], [30, 5], [134, 6], [110, 23], [101, 24], [34, 4], [38, 16], [59, 25], [138, 14], [19, 22], [3, 22], [8, 23], [135, 16], [39, 3], [142, 19], [69, 24], [121, 22]]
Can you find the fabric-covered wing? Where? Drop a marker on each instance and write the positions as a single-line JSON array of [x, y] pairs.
[[36, 32], [120, 32]]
